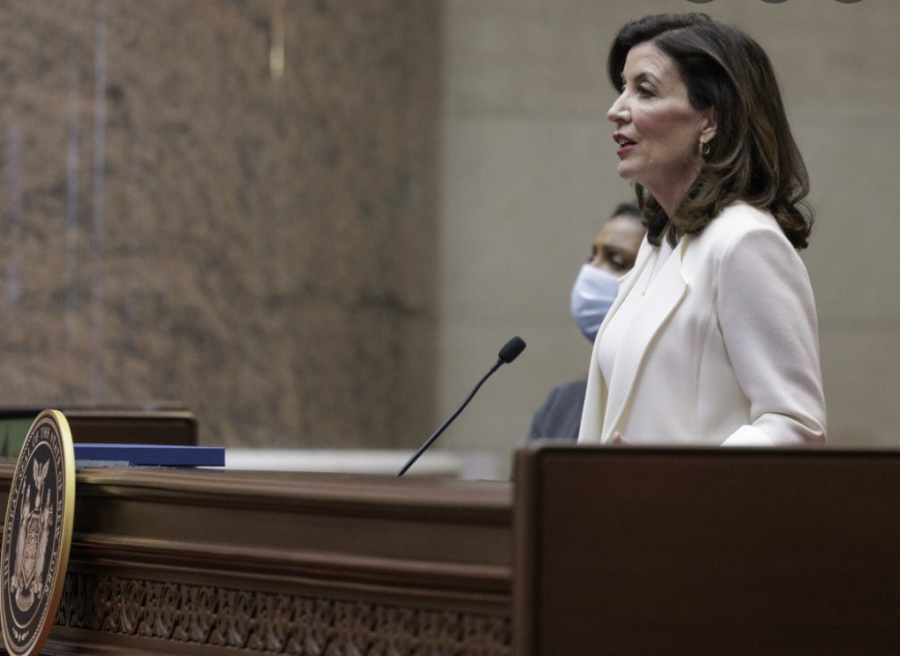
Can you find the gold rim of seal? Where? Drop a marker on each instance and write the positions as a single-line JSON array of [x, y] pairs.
[[68, 500]]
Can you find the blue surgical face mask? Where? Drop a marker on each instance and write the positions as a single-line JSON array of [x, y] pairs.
[[592, 296]]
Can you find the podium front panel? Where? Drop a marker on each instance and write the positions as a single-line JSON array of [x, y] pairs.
[[707, 551]]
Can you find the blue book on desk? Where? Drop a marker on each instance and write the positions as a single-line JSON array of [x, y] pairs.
[[149, 455]]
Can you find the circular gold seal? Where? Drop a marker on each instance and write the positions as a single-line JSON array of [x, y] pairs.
[[38, 534]]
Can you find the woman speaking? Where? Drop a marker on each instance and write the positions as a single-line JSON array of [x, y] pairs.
[[713, 338]]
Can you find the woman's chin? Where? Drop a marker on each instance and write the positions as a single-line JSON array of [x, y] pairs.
[[626, 171]]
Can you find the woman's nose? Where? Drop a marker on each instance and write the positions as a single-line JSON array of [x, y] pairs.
[[618, 111]]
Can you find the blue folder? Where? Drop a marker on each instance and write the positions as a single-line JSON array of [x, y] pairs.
[[151, 455]]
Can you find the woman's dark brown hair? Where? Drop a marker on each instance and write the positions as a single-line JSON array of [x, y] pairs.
[[753, 156]]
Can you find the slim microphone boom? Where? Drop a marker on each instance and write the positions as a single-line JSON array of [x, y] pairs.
[[508, 353]]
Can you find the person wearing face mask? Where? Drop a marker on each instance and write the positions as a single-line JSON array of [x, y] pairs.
[[612, 255]]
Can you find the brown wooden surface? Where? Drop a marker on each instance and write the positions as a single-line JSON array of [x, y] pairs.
[[617, 551], [172, 426], [724, 551], [212, 562], [153, 423]]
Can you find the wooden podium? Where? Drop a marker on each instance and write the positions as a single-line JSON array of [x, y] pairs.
[[707, 551], [602, 551], [212, 562]]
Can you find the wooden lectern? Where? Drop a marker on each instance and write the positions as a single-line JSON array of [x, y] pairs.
[[602, 551], [707, 551]]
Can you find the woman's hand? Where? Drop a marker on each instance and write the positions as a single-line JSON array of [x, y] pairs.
[[618, 439]]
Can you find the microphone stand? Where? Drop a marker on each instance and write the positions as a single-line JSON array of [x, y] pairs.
[[449, 420]]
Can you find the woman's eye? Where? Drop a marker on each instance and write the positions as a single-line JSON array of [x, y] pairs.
[[645, 92]]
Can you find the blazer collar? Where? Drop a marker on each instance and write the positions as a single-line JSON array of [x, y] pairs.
[[662, 298]]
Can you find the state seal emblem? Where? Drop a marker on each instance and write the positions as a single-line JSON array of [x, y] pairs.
[[37, 534]]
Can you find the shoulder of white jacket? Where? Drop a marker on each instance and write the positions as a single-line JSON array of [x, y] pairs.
[[740, 216], [736, 220]]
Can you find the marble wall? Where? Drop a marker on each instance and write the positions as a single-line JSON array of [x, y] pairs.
[[226, 203]]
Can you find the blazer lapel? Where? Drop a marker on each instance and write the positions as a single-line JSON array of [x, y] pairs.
[[626, 283], [665, 294]]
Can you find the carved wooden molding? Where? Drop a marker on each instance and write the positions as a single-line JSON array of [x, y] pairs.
[[209, 563], [254, 621]]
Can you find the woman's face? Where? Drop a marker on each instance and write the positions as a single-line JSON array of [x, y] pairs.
[[658, 131], [616, 245]]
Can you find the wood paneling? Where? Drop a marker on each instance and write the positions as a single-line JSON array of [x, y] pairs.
[[707, 551], [212, 562]]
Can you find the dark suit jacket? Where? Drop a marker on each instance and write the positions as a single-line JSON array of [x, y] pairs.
[[560, 415]]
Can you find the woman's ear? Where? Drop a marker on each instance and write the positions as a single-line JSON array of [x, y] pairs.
[[708, 125]]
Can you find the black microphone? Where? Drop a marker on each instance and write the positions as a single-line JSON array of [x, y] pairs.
[[508, 353]]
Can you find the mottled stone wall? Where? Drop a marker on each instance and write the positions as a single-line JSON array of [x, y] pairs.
[[188, 216]]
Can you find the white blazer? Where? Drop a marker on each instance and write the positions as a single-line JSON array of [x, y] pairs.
[[724, 349]]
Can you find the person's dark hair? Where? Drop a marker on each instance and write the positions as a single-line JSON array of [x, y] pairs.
[[753, 156], [631, 210]]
